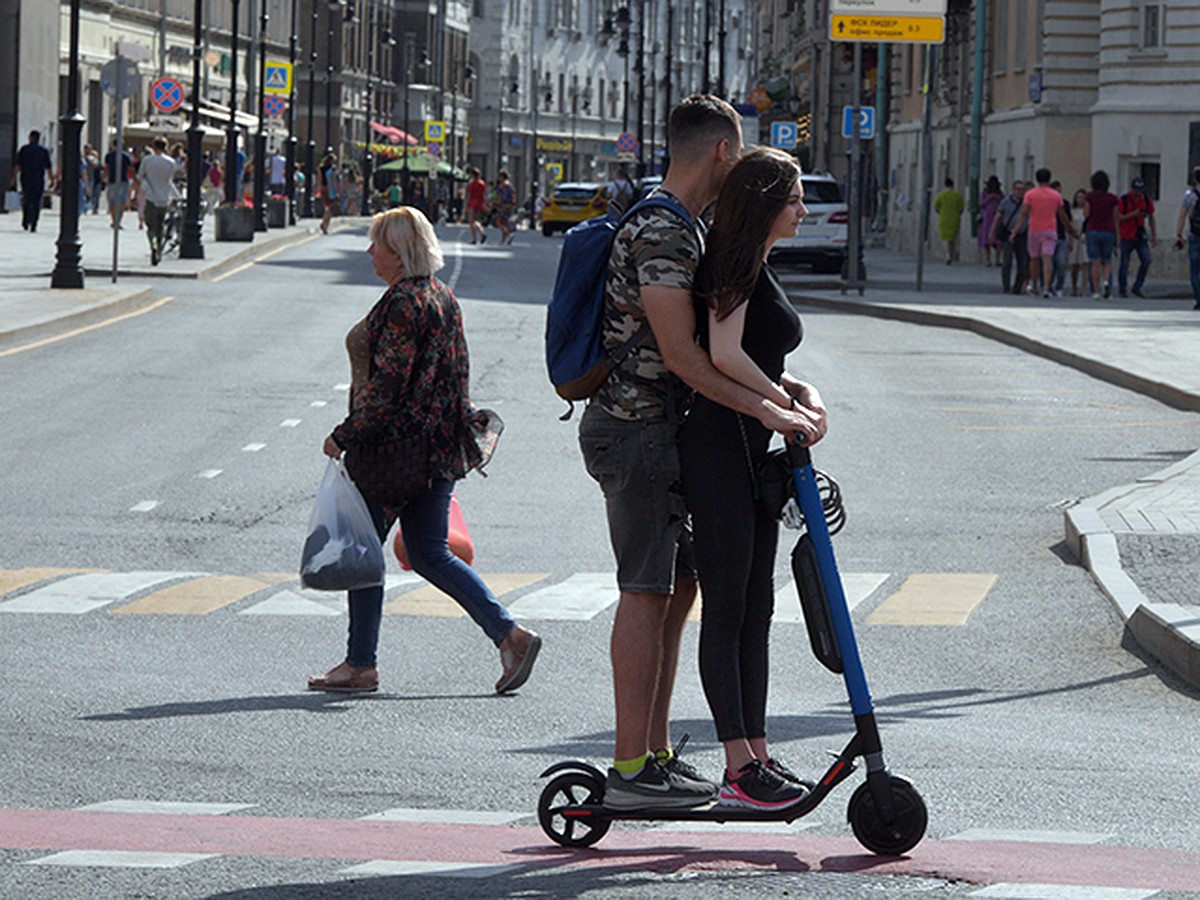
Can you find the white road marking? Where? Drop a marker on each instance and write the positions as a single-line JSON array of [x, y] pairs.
[[289, 423], [83, 593], [319, 403], [447, 816], [342, 387], [144, 506], [253, 448], [164, 807], [289, 603], [1030, 836], [122, 859], [209, 473], [580, 597], [1061, 892], [418, 867], [857, 586]]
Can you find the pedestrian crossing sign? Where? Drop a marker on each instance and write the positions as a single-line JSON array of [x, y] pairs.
[[435, 132], [277, 77]]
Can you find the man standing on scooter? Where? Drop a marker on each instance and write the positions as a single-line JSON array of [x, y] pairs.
[[628, 436]]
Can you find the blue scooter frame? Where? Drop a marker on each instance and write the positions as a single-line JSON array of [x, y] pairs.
[[886, 813]]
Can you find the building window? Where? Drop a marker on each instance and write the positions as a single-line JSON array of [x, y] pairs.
[[1153, 24]]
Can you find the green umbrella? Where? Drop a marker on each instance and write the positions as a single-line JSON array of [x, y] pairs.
[[420, 164]]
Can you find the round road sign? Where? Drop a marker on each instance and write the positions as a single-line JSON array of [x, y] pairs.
[[166, 94], [274, 105]]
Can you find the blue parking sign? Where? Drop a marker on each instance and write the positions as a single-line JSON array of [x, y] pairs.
[[784, 135], [866, 122]]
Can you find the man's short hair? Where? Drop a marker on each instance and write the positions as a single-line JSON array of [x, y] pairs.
[[34, 137], [700, 122], [160, 143], [1196, 174], [1043, 176]]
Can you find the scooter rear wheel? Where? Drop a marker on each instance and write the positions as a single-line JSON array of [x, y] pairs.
[[903, 834], [566, 790]]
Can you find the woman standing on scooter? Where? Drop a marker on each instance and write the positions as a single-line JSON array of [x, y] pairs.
[[748, 327]]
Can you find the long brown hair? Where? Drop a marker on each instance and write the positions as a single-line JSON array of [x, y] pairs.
[[752, 197]]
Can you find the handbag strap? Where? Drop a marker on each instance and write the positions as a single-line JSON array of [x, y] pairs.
[[754, 486]]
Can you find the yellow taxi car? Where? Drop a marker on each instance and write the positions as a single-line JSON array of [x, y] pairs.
[[572, 203]]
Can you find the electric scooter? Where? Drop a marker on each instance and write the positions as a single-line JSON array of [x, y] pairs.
[[886, 813]]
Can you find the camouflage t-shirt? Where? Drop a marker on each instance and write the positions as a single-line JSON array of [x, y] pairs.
[[655, 248]]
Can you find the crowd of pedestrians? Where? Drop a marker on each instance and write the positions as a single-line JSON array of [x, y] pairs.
[[1036, 236]]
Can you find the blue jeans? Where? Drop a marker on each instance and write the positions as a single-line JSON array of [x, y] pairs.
[[1140, 246], [424, 521], [1060, 265], [1194, 265]]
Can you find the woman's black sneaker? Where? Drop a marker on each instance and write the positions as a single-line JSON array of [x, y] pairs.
[[758, 787], [788, 775]]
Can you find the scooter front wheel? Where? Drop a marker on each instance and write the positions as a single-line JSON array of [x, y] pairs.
[[572, 789], [901, 835]]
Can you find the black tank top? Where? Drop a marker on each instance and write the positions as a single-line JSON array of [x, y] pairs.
[[772, 329]]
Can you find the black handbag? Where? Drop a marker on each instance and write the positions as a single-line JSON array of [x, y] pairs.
[[771, 479], [391, 471]]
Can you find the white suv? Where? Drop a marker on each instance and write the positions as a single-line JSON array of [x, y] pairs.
[[821, 241]]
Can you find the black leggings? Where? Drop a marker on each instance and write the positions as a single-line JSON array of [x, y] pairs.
[[735, 554]]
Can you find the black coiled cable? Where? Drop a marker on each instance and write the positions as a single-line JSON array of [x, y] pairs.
[[831, 501]]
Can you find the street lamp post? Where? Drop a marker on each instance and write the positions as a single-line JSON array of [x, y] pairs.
[[260, 139], [310, 150], [191, 244], [290, 153], [409, 38], [333, 4], [231, 131], [68, 267]]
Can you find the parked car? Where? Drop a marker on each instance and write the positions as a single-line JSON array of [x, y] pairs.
[[572, 203], [821, 241]]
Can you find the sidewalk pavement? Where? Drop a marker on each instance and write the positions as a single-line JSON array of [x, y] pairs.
[[1141, 542]]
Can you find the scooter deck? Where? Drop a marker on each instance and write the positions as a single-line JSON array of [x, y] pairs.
[[710, 812]]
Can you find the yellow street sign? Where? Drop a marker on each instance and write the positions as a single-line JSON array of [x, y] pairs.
[[555, 171], [435, 132], [902, 29], [277, 77]]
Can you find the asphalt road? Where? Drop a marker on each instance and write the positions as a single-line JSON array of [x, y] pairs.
[[187, 440]]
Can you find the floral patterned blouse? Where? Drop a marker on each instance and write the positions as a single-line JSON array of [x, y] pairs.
[[410, 370]]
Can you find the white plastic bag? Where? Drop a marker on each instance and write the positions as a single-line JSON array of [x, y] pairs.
[[343, 551]]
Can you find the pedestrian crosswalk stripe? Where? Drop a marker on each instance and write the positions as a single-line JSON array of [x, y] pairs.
[[929, 599], [198, 596], [290, 603], [580, 597], [1025, 891], [448, 816], [944, 599], [429, 601], [418, 867], [16, 579], [857, 586], [1030, 836], [83, 593], [120, 859], [163, 807]]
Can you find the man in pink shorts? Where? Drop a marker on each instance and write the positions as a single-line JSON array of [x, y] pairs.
[[1043, 206]]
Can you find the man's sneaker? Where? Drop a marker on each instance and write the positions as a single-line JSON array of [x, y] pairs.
[[1138, 293], [687, 772], [758, 787], [652, 788]]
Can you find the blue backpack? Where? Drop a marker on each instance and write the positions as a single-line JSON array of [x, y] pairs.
[[575, 355]]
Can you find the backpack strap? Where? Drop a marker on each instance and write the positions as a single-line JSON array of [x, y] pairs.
[[659, 201]]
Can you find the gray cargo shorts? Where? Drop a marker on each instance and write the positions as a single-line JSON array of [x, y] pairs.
[[637, 467]]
